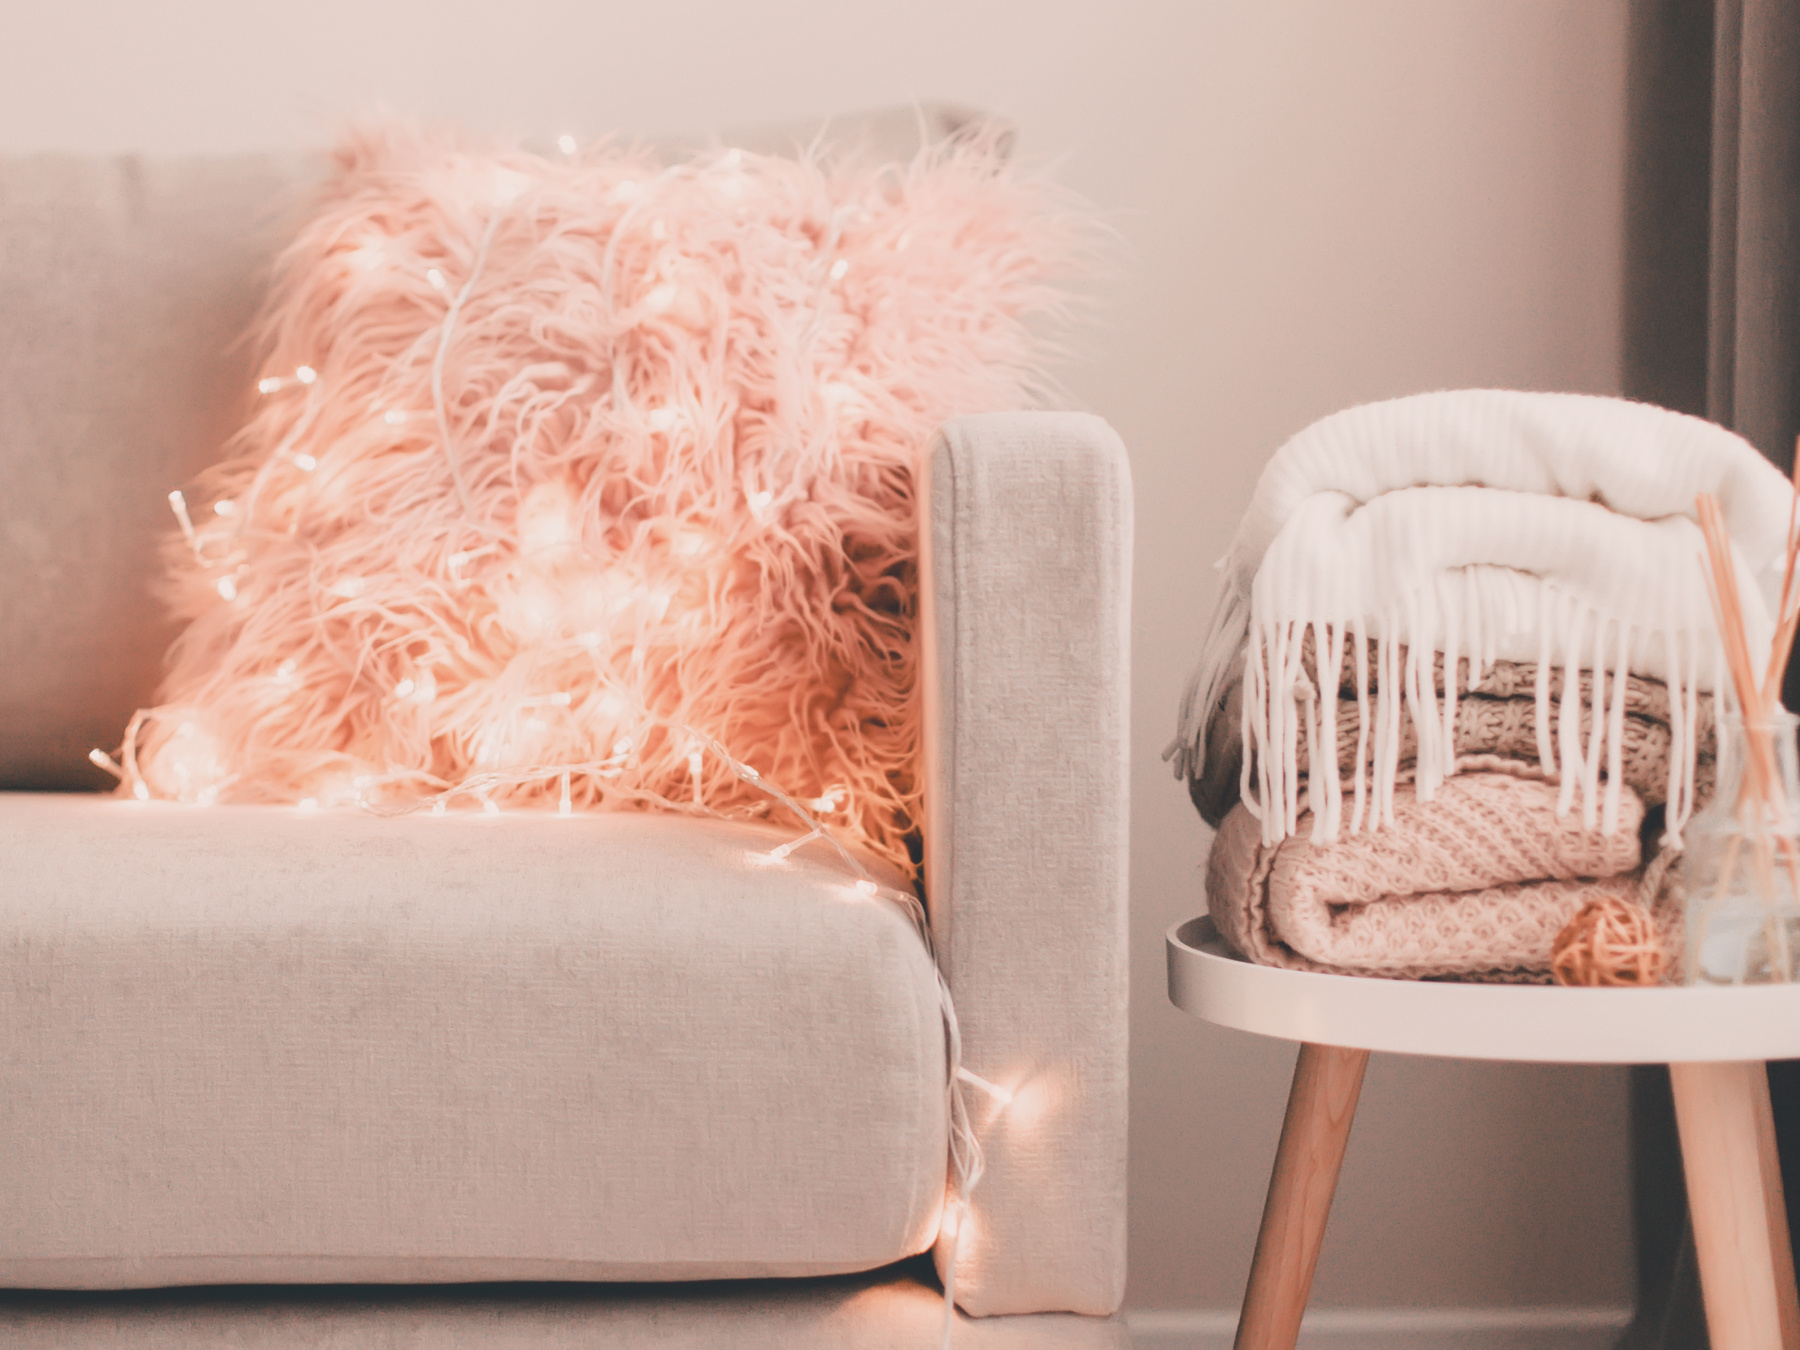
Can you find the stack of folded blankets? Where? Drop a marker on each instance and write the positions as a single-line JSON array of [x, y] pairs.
[[1461, 676]]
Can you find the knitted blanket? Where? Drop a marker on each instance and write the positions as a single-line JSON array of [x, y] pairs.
[[1476, 882], [1551, 531]]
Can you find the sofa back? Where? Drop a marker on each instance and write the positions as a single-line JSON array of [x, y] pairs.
[[128, 286]]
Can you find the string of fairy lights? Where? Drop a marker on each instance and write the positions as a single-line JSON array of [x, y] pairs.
[[480, 788]]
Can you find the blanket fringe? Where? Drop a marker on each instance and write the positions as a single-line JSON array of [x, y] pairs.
[[1290, 692]]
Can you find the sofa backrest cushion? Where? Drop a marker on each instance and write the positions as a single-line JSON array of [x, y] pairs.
[[127, 288]]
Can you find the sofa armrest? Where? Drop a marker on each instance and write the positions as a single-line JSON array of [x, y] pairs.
[[1026, 574]]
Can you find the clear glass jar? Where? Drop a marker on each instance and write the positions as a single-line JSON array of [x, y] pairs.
[[1741, 866]]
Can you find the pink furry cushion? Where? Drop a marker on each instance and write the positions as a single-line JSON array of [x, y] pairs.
[[566, 470]]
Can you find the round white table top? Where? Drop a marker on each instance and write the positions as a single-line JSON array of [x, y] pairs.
[[1542, 1023]]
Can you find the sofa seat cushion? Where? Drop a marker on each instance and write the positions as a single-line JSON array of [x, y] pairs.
[[251, 1044]]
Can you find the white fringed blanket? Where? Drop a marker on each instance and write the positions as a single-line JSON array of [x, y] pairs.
[[1464, 529]]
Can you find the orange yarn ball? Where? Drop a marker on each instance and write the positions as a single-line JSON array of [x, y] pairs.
[[1609, 942]]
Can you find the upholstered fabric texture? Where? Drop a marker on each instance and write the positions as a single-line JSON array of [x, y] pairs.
[[126, 286], [250, 1044], [1027, 593], [892, 1309]]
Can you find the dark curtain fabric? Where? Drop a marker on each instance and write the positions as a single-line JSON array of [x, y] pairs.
[[1712, 327]]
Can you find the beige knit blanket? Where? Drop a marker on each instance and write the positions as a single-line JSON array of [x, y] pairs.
[[1476, 882]]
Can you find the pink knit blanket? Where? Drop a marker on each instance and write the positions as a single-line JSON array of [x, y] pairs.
[[1476, 882]]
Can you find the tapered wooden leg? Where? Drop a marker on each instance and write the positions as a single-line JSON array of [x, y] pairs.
[[1321, 1106], [1734, 1195]]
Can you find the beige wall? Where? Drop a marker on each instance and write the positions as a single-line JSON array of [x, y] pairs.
[[1324, 203]]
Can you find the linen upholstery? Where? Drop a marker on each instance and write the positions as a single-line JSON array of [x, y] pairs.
[[1027, 566], [891, 1309], [248, 1044], [126, 284]]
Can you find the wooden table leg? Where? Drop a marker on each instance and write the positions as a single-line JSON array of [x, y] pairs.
[[1321, 1107], [1734, 1196]]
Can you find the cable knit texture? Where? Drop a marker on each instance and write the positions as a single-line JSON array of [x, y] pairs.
[[1480, 879]]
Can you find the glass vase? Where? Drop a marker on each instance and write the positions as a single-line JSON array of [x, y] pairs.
[[1741, 867]]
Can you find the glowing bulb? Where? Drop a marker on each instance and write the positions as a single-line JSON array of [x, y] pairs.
[[660, 297], [393, 417], [868, 888], [437, 807], [225, 507], [1002, 1095], [404, 688], [227, 588], [349, 588], [661, 419], [625, 190], [491, 806], [307, 804], [826, 803], [566, 143], [268, 384], [141, 790], [284, 673], [564, 805], [102, 760], [458, 560], [838, 268], [306, 374], [589, 640], [178, 504], [305, 463], [759, 501], [435, 277]]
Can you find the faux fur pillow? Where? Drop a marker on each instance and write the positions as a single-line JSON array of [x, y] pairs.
[[571, 473]]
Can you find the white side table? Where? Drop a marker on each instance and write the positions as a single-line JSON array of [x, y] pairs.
[[1714, 1041]]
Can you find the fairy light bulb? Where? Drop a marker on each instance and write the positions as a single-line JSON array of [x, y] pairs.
[[394, 417], [566, 143], [867, 888], [435, 277], [227, 588], [178, 504], [307, 805], [564, 805], [306, 374], [225, 507], [305, 463], [839, 268]]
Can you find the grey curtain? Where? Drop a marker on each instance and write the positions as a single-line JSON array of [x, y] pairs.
[[1712, 327]]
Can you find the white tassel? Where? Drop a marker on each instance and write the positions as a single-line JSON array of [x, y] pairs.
[[1546, 630], [1568, 722], [1333, 660], [1361, 648], [1615, 735]]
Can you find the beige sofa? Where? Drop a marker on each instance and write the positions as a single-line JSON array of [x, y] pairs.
[[285, 1079]]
